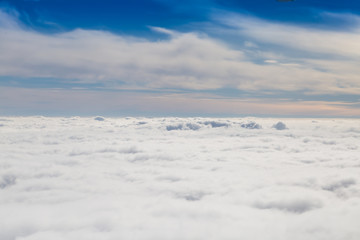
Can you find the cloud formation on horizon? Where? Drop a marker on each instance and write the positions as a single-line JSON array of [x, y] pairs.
[[274, 69], [191, 60]]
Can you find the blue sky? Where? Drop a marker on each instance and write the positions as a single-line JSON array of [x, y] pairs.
[[180, 58]]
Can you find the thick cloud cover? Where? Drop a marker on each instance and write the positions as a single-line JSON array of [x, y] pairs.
[[132, 178], [263, 72]]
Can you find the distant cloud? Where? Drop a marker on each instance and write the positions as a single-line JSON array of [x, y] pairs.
[[250, 44], [270, 61], [163, 30], [269, 58], [333, 43], [99, 119], [185, 60], [325, 58], [8, 18], [280, 126]]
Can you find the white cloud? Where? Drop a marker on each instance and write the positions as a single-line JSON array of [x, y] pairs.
[[8, 18], [313, 40], [164, 31], [280, 126], [270, 61], [79, 178], [185, 60], [331, 55]]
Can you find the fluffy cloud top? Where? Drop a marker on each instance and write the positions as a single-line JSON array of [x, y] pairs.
[[132, 178]]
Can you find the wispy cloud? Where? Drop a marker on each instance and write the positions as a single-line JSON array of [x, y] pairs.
[[335, 43], [186, 60], [323, 60], [269, 57]]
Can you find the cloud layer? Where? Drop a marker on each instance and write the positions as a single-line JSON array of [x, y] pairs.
[[190, 60], [132, 178], [59, 102]]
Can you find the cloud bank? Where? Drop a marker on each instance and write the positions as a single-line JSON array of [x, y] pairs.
[[132, 178], [273, 68], [191, 60]]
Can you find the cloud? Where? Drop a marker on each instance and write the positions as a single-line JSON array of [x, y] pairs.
[[338, 184], [292, 205], [326, 58], [191, 60], [333, 43], [116, 179], [9, 18], [251, 125], [215, 124], [186, 60], [187, 126], [280, 126], [7, 181], [164, 31], [99, 119]]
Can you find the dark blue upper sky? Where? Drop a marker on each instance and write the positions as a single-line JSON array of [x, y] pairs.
[[134, 16]]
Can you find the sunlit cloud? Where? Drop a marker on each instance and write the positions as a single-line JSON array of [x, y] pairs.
[[185, 60], [192, 61], [330, 57]]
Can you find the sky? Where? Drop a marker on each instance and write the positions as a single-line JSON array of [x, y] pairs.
[[180, 58]]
